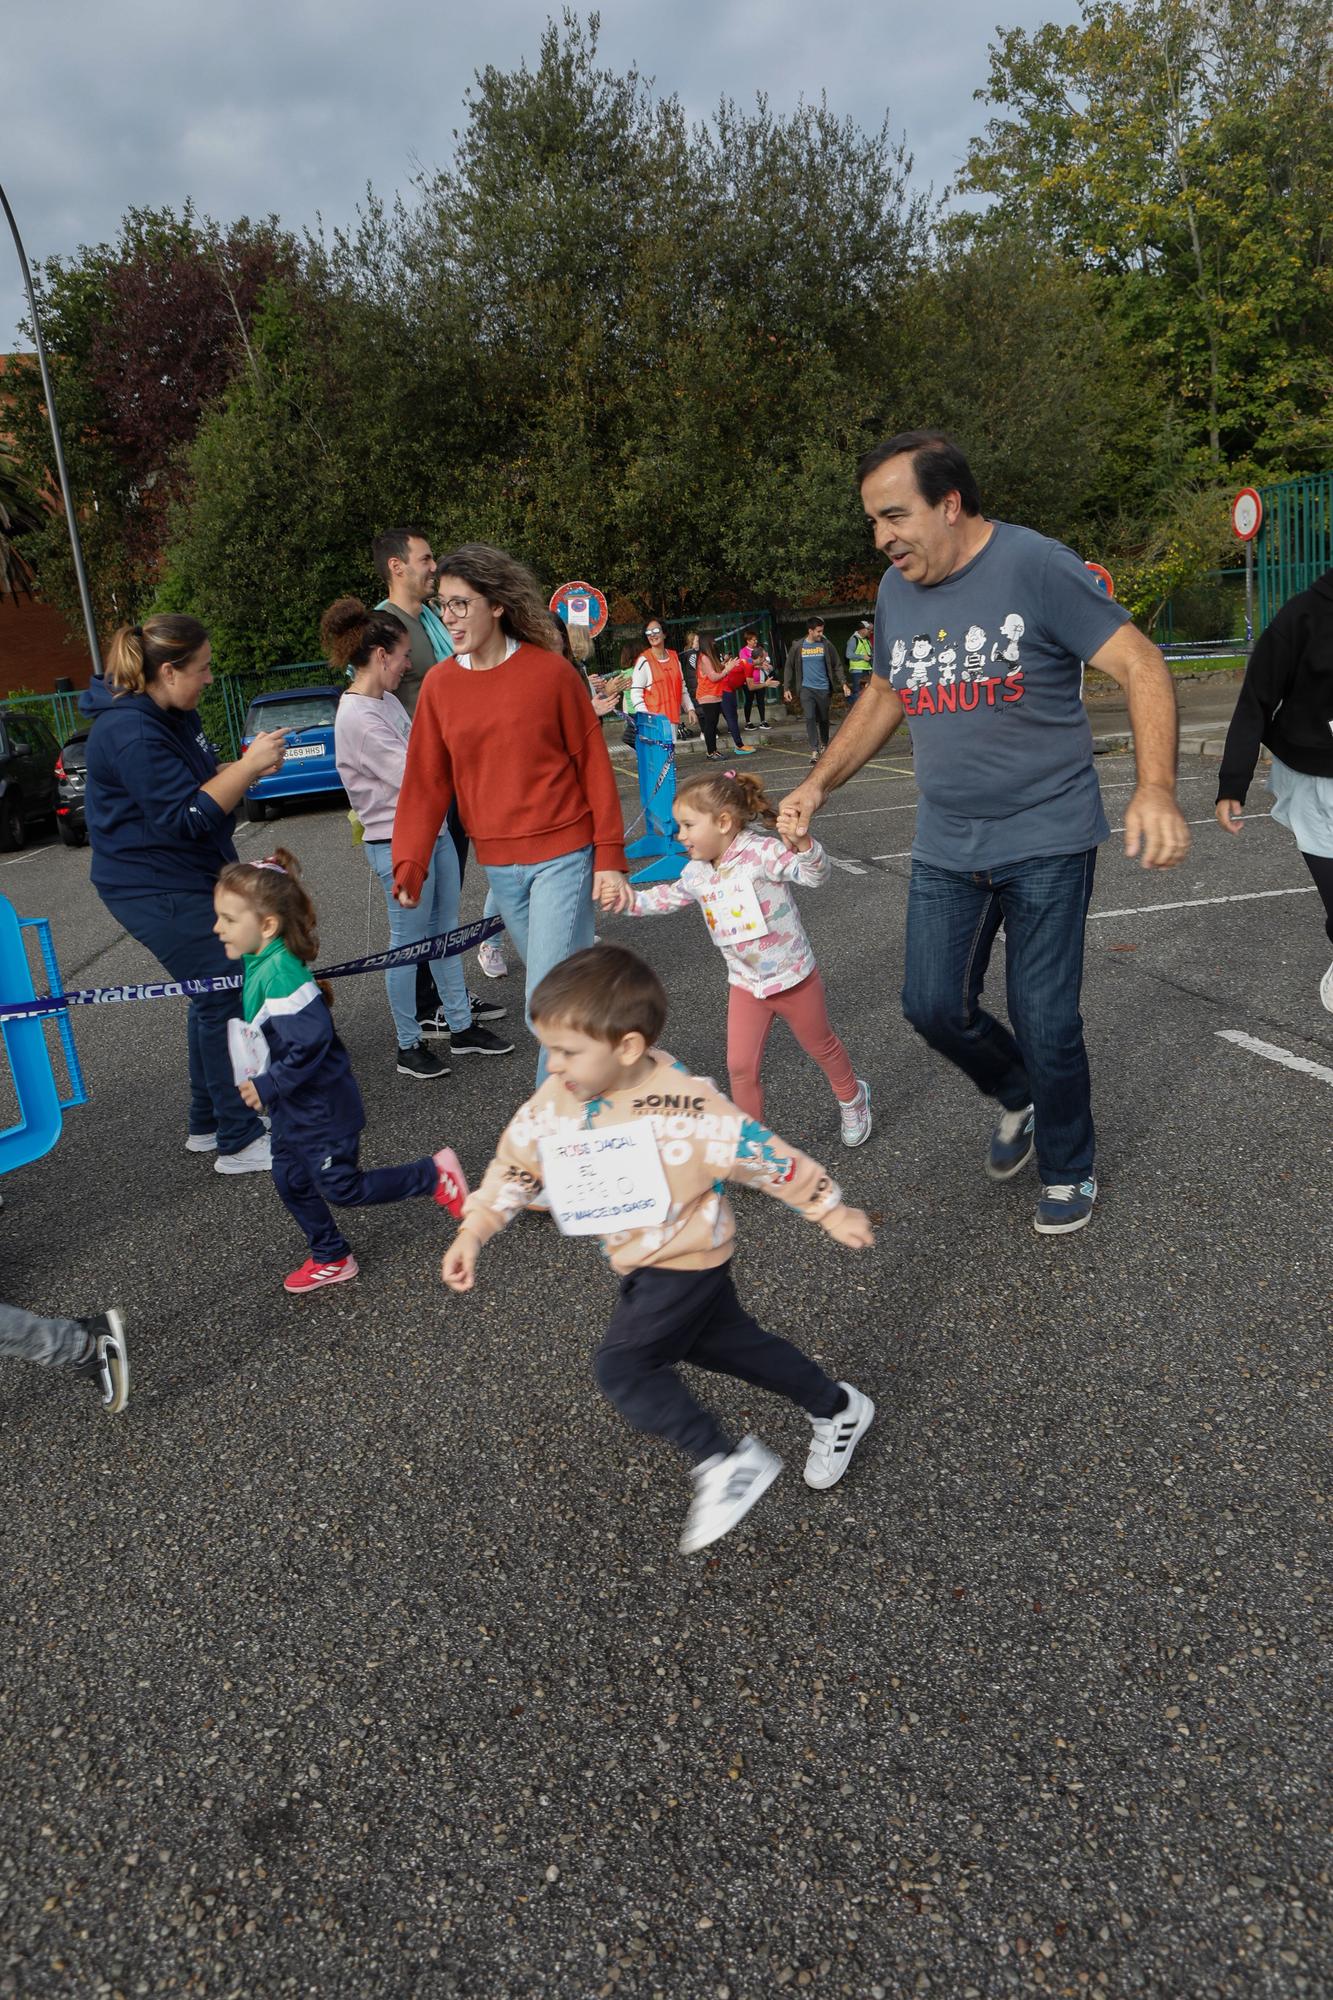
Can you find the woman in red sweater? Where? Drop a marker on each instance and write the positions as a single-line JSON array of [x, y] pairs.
[[506, 727]]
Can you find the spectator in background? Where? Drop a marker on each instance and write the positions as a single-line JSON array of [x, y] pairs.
[[160, 818], [860, 654], [689, 667], [371, 734], [808, 680], [406, 567], [1286, 702]]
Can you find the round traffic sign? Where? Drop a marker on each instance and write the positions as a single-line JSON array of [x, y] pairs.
[[1247, 514], [580, 604], [1103, 577]]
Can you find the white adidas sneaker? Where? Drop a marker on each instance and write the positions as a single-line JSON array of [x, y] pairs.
[[725, 1489], [836, 1438]]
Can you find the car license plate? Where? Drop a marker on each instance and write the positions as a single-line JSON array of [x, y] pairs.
[[304, 750]]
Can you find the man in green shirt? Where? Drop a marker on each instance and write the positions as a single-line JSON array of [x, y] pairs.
[[406, 564]]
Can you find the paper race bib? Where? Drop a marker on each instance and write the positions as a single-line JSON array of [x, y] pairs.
[[733, 912], [247, 1048], [598, 1182]]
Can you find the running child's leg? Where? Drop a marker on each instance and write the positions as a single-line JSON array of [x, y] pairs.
[[53, 1343], [749, 1020], [805, 1010], [303, 1202], [653, 1327], [339, 1177], [729, 1341]]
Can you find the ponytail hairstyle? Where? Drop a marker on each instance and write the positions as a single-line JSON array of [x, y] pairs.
[[708, 651], [273, 888], [349, 633], [138, 653], [741, 797], [501, 580]]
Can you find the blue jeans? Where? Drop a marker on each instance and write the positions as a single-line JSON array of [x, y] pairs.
[[856, 681], [436, 912], [952, 921], [548, 912], [308, 1182], [177, 927]]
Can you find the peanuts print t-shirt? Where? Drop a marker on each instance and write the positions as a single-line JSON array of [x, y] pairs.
[[989, 667]]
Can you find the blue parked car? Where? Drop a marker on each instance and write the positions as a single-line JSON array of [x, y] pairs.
[[307, 714]]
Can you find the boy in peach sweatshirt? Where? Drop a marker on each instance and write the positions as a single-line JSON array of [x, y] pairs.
[[628, 1146]]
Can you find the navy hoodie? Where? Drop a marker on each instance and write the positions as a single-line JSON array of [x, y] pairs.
[[152, 829]]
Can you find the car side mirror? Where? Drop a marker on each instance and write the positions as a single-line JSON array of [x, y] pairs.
[[22, 749]]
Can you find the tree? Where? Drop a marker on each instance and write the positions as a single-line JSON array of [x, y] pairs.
[[143, 334], [21, 511], [1182, 150]]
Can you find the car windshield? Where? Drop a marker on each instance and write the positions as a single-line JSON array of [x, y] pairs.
[[314, 711]]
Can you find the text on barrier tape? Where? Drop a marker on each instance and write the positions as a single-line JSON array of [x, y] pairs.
[[447, 945]]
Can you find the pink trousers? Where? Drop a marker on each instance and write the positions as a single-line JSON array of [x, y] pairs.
[[805, 1010]]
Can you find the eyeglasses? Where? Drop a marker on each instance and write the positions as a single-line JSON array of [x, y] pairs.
[[458, 607]]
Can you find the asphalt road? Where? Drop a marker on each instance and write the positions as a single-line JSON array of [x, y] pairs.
[[357, 1657]]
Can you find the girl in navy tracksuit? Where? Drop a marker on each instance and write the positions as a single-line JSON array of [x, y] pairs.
[[297, 1070]]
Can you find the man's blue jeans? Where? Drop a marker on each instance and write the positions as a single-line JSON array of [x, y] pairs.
[[435, 913], [177, 927], [952, 921], [548, 911]]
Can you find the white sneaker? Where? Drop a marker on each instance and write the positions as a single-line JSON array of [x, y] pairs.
[[256, 1158], [836, 1438], [491, 959], [202, 1142], [1326, 989], [725, 1489], [856, 1119]]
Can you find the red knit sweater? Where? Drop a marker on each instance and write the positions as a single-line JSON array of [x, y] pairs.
[[520, 749]]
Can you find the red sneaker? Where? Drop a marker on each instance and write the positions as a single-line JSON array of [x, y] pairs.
[[451, 1187], [313, 1274]]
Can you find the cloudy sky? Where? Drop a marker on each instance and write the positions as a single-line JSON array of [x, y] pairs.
[[292, 106]]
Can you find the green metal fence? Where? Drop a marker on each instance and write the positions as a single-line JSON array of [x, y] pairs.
[[1295, 544]]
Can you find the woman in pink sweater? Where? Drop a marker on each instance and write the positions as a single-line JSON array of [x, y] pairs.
[[370, 743]]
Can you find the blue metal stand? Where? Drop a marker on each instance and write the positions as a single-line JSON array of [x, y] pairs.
[[40, 1101]]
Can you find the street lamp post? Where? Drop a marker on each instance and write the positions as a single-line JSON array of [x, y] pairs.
[[71, 518]]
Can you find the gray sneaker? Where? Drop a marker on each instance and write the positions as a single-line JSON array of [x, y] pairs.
[[107, 1362], [1012, 1144], [856, 1119]]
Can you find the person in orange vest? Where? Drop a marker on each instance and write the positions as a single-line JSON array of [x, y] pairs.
[[656, 696]]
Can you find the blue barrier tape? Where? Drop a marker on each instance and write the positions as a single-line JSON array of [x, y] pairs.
[[447, 945]]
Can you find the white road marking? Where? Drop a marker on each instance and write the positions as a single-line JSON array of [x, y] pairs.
[[901, 855], [1272, 1053], [851, 867], [31, 855], [903, 852], [1200, 903]]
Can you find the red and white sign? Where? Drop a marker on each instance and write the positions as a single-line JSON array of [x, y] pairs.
[[1103, 577], [580, 604], [1247, 514]]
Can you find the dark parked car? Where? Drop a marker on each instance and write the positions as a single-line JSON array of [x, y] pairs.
[[72, 779], [28, 753], [307, 714]]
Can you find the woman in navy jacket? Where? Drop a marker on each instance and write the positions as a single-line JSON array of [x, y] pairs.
[[160, 815]]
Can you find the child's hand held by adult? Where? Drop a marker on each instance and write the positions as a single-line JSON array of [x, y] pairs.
[[249, 1095]]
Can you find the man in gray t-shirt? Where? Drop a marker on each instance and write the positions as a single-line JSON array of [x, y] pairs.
[[981, 631]]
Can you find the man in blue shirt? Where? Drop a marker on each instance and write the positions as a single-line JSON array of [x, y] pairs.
[[981, 631], [807, 677]]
